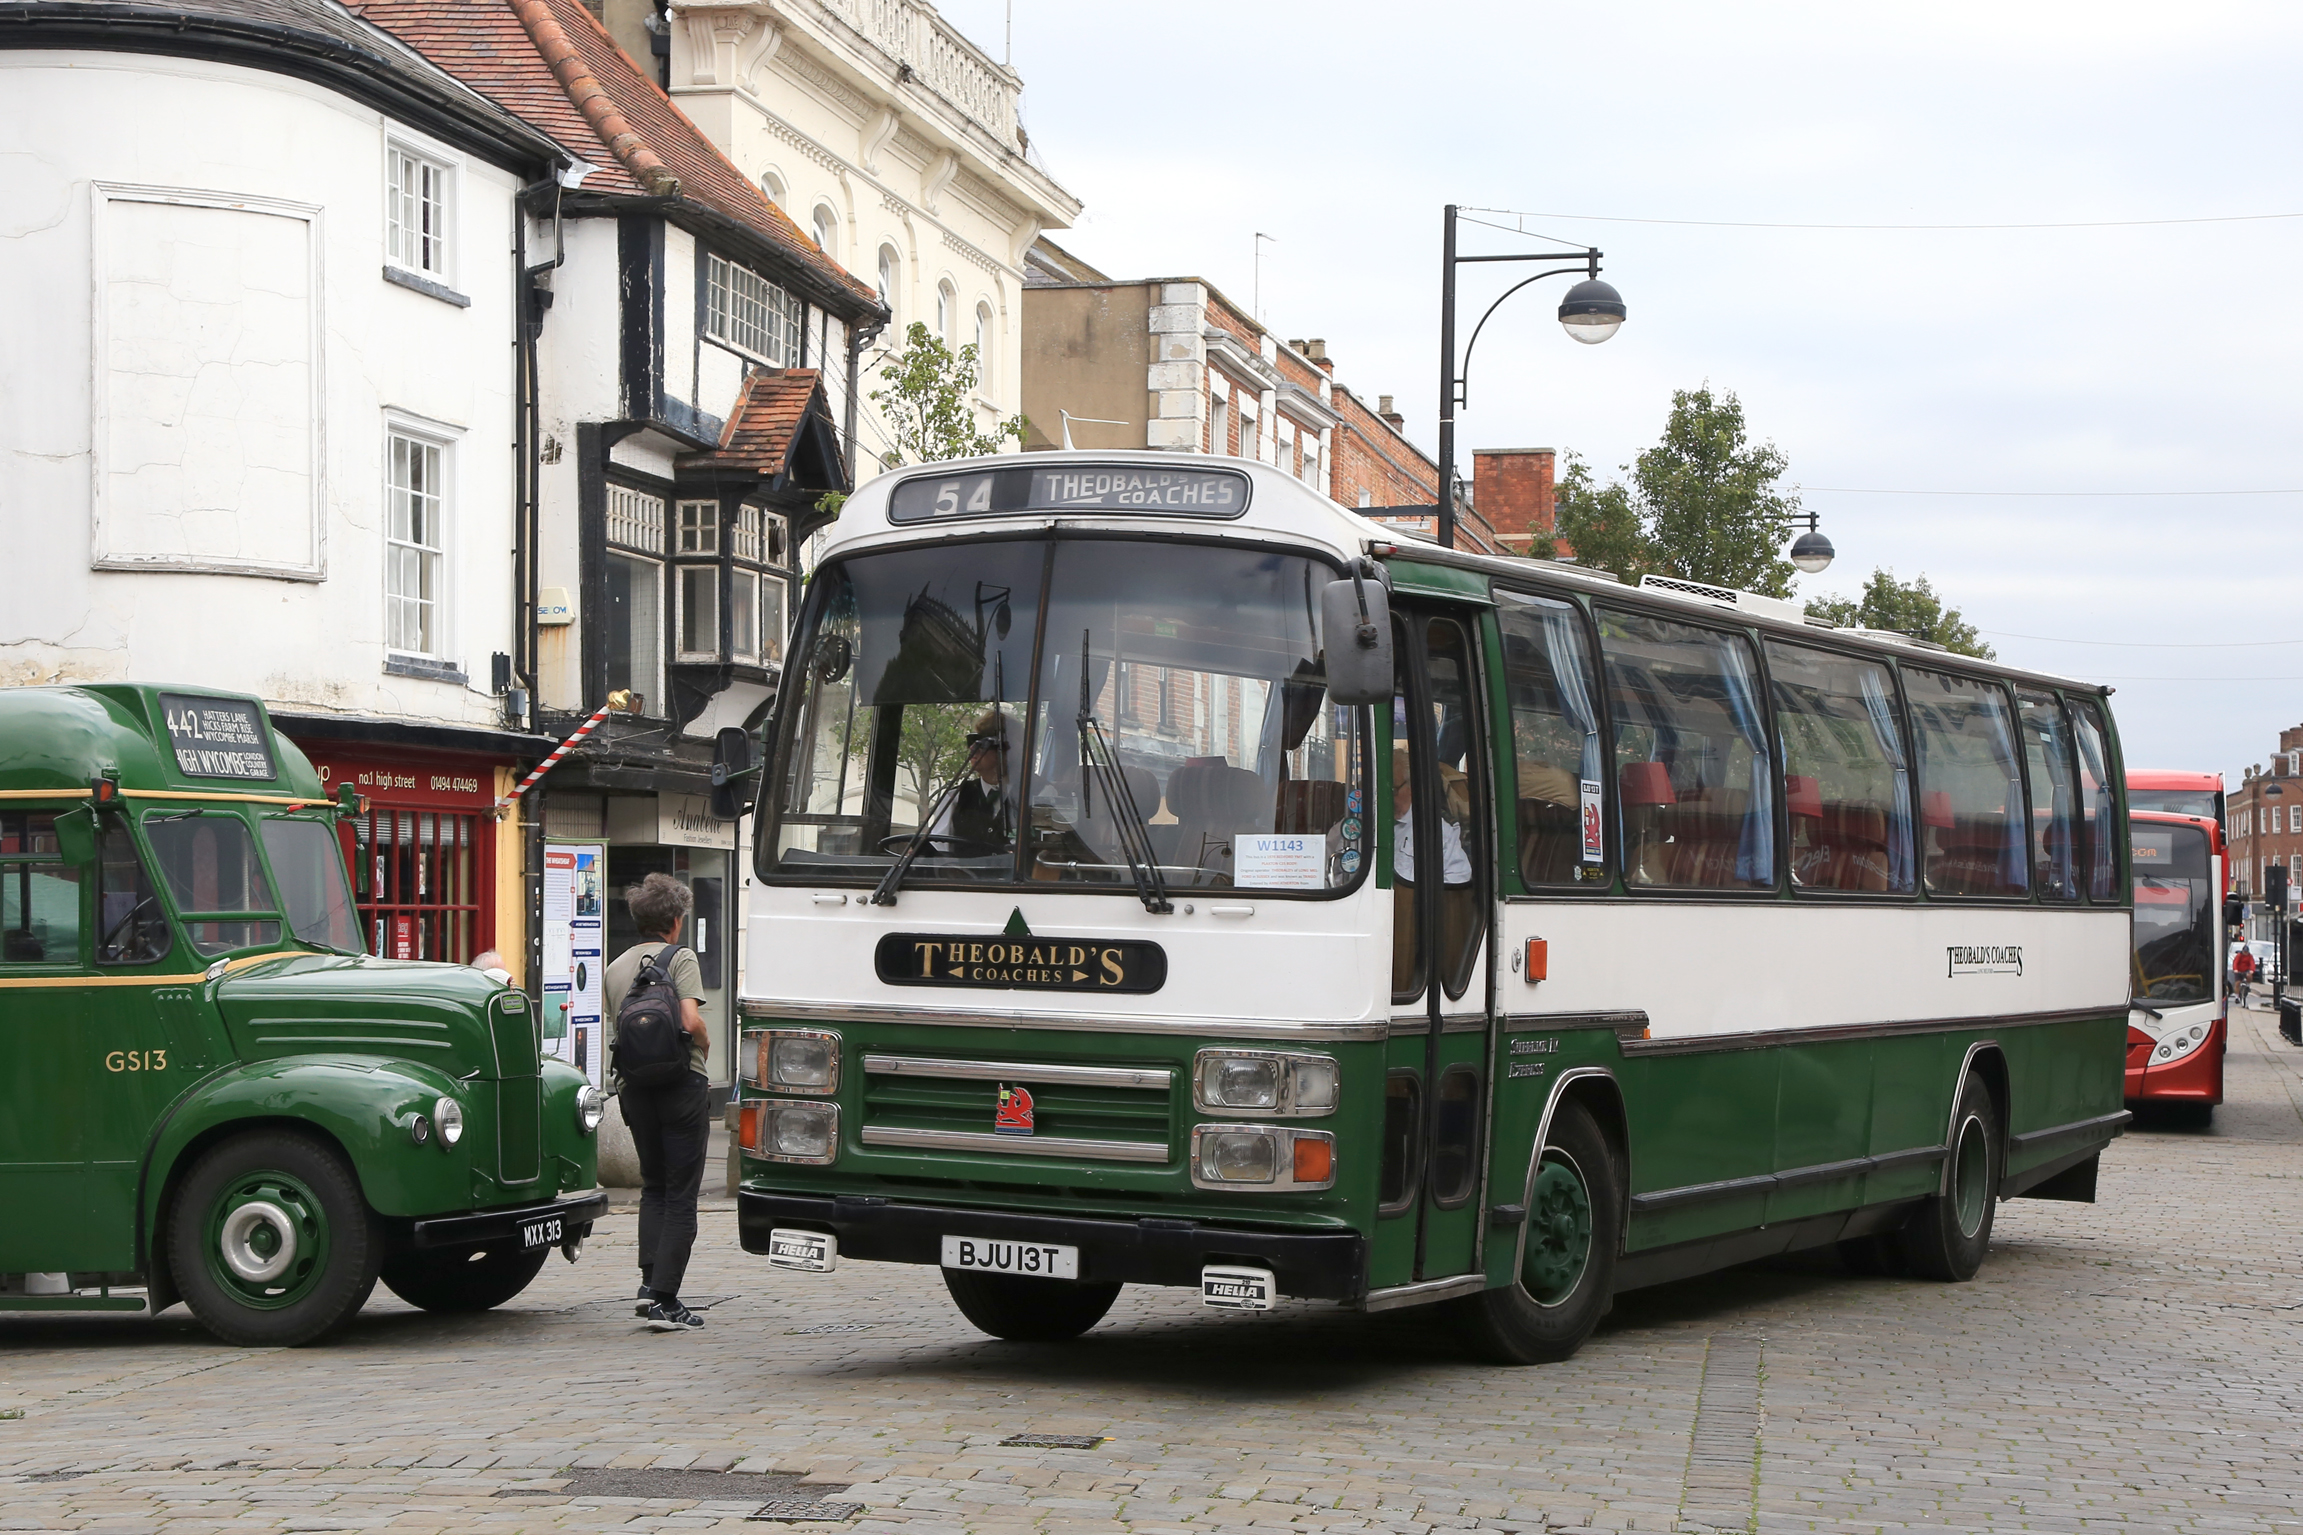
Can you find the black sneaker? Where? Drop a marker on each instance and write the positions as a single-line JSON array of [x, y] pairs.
[[671, 1316], [642, 1301]]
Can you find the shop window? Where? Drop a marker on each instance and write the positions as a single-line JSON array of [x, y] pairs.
[[417, 881]]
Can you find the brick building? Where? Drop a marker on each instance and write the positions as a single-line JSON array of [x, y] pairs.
[[2265, 818], [1170, 362]]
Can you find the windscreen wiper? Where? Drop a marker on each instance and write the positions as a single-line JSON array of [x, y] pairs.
[[1098, 764], [885, 894]]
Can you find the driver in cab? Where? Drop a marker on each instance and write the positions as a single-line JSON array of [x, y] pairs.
[[983, 812]]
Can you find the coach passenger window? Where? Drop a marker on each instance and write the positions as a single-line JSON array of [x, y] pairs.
[[2054, 811], [1970, 790], [1846, 781], [1554, 739], [1695, 786], [2098, 809], [39, 893]]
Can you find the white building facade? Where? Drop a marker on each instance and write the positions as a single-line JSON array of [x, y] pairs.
[[259, 406], [895, 141]]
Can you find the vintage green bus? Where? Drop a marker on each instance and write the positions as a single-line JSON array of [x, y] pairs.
[[1168, 877], [212, 1093]]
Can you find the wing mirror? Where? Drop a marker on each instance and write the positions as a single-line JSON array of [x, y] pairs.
[[731, 765], [1355, 629]]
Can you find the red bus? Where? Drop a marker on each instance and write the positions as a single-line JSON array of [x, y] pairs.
[[2177, 793], [2176, 1023]]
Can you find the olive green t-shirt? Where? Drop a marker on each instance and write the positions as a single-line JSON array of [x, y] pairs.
[[687, 980]]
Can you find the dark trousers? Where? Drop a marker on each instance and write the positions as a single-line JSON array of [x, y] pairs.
[[671, 1130]]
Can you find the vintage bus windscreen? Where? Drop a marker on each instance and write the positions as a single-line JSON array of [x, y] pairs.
[[2175, 945], [944, 693]]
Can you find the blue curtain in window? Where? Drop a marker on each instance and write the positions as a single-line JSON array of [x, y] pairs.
[[1879, 700], [1755, 849], [1570, 669]]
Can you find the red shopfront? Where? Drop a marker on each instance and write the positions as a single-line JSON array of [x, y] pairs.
[[423, 857]]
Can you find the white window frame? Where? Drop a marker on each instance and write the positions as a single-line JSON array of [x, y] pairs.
[[750, 315], [438, 264], [1282, 442], [824, 224], [889, 273], [987, 344], [773, 186], [1250, 432], [432, 439], [653, 703], [947, 312]]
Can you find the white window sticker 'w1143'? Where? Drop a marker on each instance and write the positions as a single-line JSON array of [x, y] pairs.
[[1279, 862]]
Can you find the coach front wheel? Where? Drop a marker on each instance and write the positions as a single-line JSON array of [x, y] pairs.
[[271, 1242], [1573, 1226]]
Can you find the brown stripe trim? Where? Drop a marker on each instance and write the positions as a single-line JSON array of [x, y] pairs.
[[1762, 1039]]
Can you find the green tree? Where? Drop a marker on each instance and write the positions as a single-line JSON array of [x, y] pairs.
[[1905, 607], [929, 403], [1703, 504]]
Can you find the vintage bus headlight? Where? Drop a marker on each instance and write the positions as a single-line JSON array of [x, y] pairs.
[[791, 1060], [1261, 1157], [591, 1104], [1273, 1084], [448, 1115], [777, 1131]]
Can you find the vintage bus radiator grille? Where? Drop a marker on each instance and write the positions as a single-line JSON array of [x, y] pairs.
[[1097, 1113], [519, 1095]]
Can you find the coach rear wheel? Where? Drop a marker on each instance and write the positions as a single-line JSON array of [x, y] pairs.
[[1950, 1233], [1574, 1224], [1028, 1310], [463, 1278], [271, 1242]]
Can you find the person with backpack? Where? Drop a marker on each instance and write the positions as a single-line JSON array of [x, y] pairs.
[[657, 1046]]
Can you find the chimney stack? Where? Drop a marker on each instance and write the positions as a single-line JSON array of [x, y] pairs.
[[1391, 417], [1513, 489]]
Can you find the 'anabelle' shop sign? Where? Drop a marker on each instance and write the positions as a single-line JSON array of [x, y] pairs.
[[217, 737]]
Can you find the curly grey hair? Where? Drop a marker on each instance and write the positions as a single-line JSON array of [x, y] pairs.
[[657, 903]]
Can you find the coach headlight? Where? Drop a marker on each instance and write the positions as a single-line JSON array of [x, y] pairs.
[[778, 1131], [1261, 1157], [1270, 1084], [791, 1060], [448, 1115], [591, 1104]]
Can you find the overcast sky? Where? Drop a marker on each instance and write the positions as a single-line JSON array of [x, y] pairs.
[[2138, 358]]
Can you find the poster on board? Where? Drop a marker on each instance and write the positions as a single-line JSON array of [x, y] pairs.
[[575, 876]]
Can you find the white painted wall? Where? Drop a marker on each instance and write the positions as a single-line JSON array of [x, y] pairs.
[[202, 357]]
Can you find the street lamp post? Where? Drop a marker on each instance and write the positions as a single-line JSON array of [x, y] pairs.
[[1591, 312]]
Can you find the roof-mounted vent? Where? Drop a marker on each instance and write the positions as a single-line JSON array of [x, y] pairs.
[[1726, 597]]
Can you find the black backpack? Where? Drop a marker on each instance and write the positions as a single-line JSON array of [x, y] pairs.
[[651, 1046]]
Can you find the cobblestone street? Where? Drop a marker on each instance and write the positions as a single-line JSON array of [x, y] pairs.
[[2136, 1364]]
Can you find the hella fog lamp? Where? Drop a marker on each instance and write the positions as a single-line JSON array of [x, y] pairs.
[[591, 1103], [1238, 1156], [1261, 1156], [789, 1132], [1265, 1084], [801, 1060], [448, 1114]]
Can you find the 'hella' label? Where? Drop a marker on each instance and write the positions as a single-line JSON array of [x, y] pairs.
[[1237, 1289]]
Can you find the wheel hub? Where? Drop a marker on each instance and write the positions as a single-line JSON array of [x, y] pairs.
[[1559, 1233], [258, 1241]]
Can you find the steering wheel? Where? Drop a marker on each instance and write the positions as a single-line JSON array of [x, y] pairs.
[[956, 847], [149, 903]]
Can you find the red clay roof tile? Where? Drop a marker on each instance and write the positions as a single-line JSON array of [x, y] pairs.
[[765, 422]]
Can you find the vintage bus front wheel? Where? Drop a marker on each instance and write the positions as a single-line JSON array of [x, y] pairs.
[[270, 1241], [462, 1278], [1573, 1226], [1022, 1309]]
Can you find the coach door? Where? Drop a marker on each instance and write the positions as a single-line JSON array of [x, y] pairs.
[[1436, 1087]]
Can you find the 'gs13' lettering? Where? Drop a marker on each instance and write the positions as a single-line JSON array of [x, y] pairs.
[[136, 1060]]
